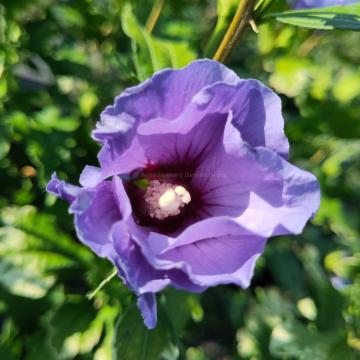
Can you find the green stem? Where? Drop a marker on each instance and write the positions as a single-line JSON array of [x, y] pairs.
[[92, 294], [154, 15], [236, 28]]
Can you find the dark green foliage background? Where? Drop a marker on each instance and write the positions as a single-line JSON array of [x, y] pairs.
[[61, 63]]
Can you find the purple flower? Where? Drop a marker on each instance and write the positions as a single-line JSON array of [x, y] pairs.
[[193, 179], [308, 4]]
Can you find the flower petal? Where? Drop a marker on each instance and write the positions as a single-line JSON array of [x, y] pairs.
[[90, 176], [211, 252], [166, 94], [121, 198], [256, 113], [148, 307], [62, 189], [96, 211], [268, 195], [308, 4], [137, 271], [300, 201], [219, 260], [184, 144]]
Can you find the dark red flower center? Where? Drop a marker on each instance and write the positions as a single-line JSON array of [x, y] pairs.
[[163, 197]]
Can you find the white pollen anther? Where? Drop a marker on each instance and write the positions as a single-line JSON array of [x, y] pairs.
[[168, 200], [183, 193], [164, 199]]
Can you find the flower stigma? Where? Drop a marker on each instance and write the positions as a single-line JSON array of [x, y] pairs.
[[165, 199]]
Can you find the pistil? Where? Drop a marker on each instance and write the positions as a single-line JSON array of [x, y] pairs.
[[165, 199]]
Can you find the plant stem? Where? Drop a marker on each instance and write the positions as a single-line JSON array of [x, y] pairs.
[[92, 294], [154, 15], [236, 28]]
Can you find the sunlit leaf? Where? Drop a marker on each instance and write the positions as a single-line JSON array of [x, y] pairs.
[[31, 248], [291, 75], [76, 328], [326, 18], [292, 339]]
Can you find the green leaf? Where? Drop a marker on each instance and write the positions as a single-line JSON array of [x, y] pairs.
[[279, 257], [342, 264], [25, 282], [291, 75], [133, 341], [322, 290], [76, 328], [25, 229], [50, 118], [39, 347], [343, 151], [347, 87], [328, 18], [352, 314], [5, 353], [68, 16], [181, 306], [225, 8], [149, 53], [263, 7], [31, 249], [88, 100], [105, 350], [293, 340], [270, 310], [5, 135]]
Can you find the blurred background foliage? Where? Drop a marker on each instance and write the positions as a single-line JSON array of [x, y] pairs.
[[61, 63]]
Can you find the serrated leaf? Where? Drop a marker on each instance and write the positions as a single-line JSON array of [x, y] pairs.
[[327, 18]]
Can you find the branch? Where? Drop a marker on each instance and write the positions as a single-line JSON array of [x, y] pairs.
[[236, 28], [154, 15]]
